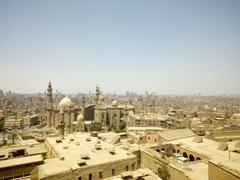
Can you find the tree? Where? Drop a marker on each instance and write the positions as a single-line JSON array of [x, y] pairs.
[[117, 130], [4, 138], [163, 172], [227, 115], [14, 135], [1, 125], [96, 126], [110, 127], [122, 125]]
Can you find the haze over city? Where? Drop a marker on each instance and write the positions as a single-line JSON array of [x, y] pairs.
[[167, 47]]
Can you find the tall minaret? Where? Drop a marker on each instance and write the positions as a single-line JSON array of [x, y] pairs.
[[49, 105], [83, 105], [97, 96]]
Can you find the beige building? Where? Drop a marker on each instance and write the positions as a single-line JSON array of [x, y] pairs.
[[19, 167], [81, 156], [141, 174], [193, 157], [71, 117], [67, 117], [224, 136], [12, 123], [110, 115], [223, 170], [156, 120], [19, 160]]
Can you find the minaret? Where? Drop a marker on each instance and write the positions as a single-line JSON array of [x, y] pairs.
[[83, 104], [49, 104], [97, 96]]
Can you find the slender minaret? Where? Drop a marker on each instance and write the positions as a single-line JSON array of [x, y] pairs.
[[97, 96], [49, 105], [83, 104]]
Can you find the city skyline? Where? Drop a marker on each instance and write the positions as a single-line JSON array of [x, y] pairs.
[[164, 47]]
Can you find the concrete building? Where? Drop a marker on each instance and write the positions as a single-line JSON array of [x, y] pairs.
[[80, 156], [156, 120], [18, 161], [19, 167], [193, 157], [12, 123]]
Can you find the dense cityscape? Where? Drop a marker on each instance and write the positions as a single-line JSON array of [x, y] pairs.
[[120, 90], [111, 136]]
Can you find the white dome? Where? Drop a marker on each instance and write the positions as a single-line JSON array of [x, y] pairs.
[[114, 103], [80, 117], [65, 102], [101, 98], [131, 113]]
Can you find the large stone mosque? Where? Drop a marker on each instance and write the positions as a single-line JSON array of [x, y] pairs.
[[78, 117]]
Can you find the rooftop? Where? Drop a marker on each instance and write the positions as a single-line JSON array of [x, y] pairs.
[[209, 148], [145, 173], [80, 147], [176, 134], [20, 161]]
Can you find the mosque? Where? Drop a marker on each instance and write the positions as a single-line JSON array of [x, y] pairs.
[[70, 117]]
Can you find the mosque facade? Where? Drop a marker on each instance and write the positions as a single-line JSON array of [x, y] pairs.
[[69, 117]]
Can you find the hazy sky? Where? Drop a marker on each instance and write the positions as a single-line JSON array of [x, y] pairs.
[[170, 47]]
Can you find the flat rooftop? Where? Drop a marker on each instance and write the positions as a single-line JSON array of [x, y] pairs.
[[209, 148], [146, 173], [144, 129], [30, 149], [73, 147], [20, 161], [195, 170], [176, 134]]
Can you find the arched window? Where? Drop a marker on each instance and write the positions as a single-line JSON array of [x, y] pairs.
[[158, 150], [191, 158], [198, 158], [185, 155], [133, 166]]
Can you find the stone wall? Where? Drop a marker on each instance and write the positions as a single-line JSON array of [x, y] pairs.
[[216, 172], [98, 172]]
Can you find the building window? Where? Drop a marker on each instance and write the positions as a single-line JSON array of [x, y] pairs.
[[127, 168], [80, 178], [133, 166], [100, 175], [90, 176], [113, 172]]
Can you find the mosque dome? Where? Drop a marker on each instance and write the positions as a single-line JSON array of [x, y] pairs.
[[65, 102], [131, 113], [114, 103], [80, 118]]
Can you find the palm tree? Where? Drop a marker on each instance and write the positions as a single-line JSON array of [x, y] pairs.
[[13, 137]]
